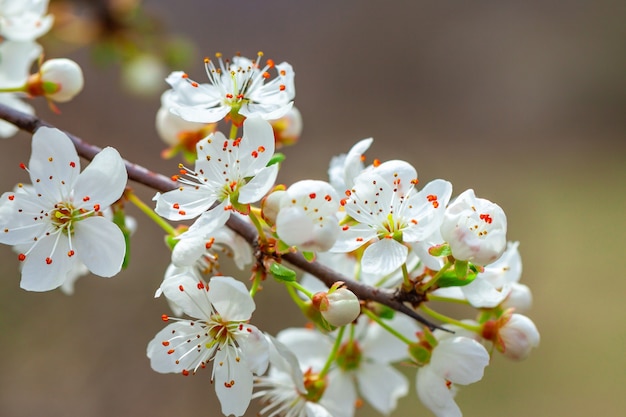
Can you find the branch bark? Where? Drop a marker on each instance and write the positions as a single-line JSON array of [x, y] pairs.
[[162, 183]]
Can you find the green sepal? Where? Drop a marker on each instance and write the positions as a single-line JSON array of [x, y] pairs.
[[440, 250], [420, 354], [277, 158], [282, 273], [282, 247], [309, 256], [461, 269], [450, 279], [119, 218]]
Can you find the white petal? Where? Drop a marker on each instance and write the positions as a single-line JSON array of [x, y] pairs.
[[231, 299], [257, 145], [259, 185], [381, 385], [37, 274], [233, 382], [12, 100], [352, 237], [255, 348], [459, 359], [384, 257], [310, 347], [169, 347], [380, 346], [340, 395], [100, 245], [103, 181], [435, 394], [481, 294], [54, 164], [185, 202], [184, 291]]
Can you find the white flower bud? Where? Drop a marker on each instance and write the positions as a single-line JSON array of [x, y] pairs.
[[271, 205], [287, 129], [65, 76], [173, 129], [475, 229], [518, 336], [338, 307], [520, 298]]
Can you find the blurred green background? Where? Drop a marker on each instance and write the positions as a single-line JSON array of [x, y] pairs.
[[524, 102]]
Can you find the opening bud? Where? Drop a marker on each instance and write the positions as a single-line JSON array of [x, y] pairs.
[[338, 306]]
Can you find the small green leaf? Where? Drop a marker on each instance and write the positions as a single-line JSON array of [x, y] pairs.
[[440, 250], [450, 279], [277, 158], [309, 256], [282, 273]]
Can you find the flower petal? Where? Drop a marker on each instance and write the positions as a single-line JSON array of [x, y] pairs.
[[103, 181], [459, 359], [434, 393], [233, 381], [100, 245], [231, 299], [384, 257], [37, 274], [259, 185], [381, 385], [54, 164]]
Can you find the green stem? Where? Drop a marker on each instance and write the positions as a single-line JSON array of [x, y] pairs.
[[408, 285], [13, 89], [256, 282], [169, 229], [385, 326], [295, 297], [259, 227], [296, 286], [333, 353], [432, 297], [233, 131], [449, 320], [438, 275]]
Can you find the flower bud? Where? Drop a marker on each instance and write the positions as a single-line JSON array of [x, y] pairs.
[[287, 129], [475, 229], [518, 335], [338, 307], [520, 298], [512, 334], [58, 79], [271, 205]]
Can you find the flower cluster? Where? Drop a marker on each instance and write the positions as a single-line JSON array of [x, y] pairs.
[[381, 240]]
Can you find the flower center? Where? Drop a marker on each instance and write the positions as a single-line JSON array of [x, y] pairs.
[[64, 215], [349, 356]]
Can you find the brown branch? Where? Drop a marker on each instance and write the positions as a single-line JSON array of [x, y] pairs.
[[162, 183]]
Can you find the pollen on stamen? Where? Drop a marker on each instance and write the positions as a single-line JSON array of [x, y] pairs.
[[182, 212], [282, 87], [48, 261], [165, 317], [169, 352], [86, 198], [96, 207], [50, 159], [266, 75], [376, 162], [270, 63], [73, 164], [70, 253], [21, 257], [165, 343], [181, 288], [185, 372], [22, 165], [11, 197], [312, 196]]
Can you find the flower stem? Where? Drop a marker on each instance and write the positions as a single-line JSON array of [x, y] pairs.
[[297, 286], [295, 297], [432, 297], [449, 320], [438, 275], [233, 131], [132, 197], [256, 282], [13, 89], [407, 285], [333, 353], [385, 326], [257, 224]]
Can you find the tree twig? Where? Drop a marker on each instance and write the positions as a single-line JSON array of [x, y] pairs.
[[162, 183]]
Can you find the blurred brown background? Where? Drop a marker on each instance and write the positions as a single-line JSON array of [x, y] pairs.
[[522, 101]]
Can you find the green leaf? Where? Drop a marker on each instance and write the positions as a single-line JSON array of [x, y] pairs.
[[309, 256], [282, 273], [277, 158], [450, 279], [440, 250]]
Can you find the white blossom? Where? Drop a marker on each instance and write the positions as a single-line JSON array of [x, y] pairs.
[[220, 333], [59, 220]]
